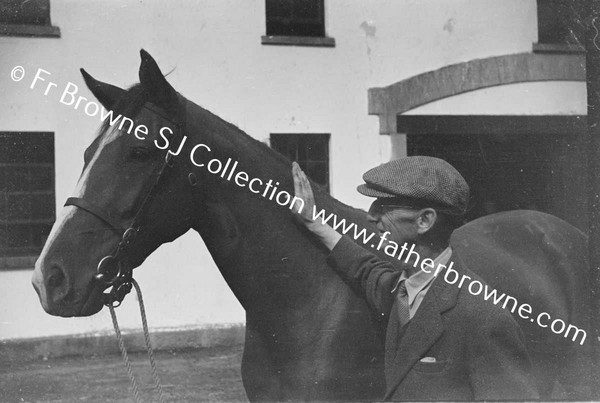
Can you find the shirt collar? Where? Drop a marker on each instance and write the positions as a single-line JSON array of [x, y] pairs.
[[421, 279]]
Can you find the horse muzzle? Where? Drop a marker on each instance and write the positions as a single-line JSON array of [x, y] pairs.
[[60, 298]]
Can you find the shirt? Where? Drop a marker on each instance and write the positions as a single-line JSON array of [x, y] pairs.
[[418, 284]]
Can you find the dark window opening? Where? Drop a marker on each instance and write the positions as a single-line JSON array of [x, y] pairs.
[[296, 23], [295, 18], [27, 197], [26, 18], [560, 24], [309, 150]]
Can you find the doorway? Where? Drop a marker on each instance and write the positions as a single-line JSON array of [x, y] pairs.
[[510, 162]]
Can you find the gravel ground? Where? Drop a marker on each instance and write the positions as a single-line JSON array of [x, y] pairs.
[[199, 375]]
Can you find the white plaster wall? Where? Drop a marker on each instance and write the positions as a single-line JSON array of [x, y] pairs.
[[213, 51], [415, 36]]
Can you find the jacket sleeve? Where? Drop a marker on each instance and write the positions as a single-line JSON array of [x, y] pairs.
[[499, 364], [372, 277]]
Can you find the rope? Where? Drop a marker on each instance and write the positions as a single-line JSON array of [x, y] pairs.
[[134, 386], [147, 340]]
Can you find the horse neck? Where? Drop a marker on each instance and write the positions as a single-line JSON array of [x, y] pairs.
[[253, 240]]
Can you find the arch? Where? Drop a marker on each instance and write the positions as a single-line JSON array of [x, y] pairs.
[[388, 102]]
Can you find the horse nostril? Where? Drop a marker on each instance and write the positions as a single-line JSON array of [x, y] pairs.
[[55, 277]]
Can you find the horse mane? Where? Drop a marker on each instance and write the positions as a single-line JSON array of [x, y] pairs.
[[132, 101], [262, 152], [129, 105]]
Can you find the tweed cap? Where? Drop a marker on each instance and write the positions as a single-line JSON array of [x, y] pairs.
[[426, 179]]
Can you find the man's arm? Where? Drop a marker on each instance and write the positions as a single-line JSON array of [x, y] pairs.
[[499, 364], [371, 276]]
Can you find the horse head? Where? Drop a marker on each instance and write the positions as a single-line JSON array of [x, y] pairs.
[[128, 200]]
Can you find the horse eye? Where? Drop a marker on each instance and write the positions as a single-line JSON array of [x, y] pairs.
[[139, 154]]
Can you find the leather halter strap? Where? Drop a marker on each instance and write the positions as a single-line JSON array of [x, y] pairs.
[[96, 211], [110, 268]]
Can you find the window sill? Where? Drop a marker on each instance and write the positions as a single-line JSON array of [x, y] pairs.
[[39, 31], [316, 41], [17, 263], [557, 48]]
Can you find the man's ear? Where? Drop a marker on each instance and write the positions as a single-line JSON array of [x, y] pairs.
[[426, 220]]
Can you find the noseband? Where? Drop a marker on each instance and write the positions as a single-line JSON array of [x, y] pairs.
[[111, 271]]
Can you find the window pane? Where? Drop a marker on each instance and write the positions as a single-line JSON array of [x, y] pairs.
[[295, 18], [15, 207], [317, 148], [560, 22], [310, 150], [17, 236], [307, 9], [20, 147], [42, 178], [279, 8], [14, 178], [27, 201], [42, 207], [317, 171], [34, 12]]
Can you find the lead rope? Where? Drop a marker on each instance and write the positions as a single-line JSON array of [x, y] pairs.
[[134, 386]]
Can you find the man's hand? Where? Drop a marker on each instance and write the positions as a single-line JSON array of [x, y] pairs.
[[303, 190]]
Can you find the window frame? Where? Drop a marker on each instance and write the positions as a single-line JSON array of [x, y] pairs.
[[298, 40], [21, 27]]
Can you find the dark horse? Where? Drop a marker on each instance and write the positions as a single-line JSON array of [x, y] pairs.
[[309, 336]]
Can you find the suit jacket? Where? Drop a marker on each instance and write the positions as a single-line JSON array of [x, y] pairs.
[[478, 347]]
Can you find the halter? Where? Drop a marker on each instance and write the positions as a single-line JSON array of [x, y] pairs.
[[111, 271]]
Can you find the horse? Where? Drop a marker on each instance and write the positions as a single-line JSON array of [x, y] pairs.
[[309, 335]]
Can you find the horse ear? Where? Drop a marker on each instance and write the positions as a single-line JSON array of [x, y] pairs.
[[107, 94], [155, 83]]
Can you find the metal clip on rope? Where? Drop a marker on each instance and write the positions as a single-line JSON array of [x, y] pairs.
[[112, 274]]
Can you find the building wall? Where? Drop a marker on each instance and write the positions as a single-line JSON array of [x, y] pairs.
[[213, 52]]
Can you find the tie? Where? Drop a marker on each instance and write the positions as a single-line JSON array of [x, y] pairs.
[[403, 308]]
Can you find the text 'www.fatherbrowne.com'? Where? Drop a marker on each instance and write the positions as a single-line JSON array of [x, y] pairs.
[[406, 254]]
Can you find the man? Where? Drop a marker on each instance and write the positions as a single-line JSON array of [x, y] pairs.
[[442, 343]]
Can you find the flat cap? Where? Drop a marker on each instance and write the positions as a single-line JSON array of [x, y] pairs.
[[420, 178]]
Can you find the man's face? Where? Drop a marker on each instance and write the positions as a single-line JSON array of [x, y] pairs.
[[400, 221]]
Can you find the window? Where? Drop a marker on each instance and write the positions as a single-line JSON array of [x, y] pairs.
[[560, 26], [296, 22], [309, 150], [27, 200], [26, 18]]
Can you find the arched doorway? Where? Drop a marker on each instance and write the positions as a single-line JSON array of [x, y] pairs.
[[511, 162]]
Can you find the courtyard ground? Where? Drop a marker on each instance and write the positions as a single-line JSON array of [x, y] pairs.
[[193, 375]]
